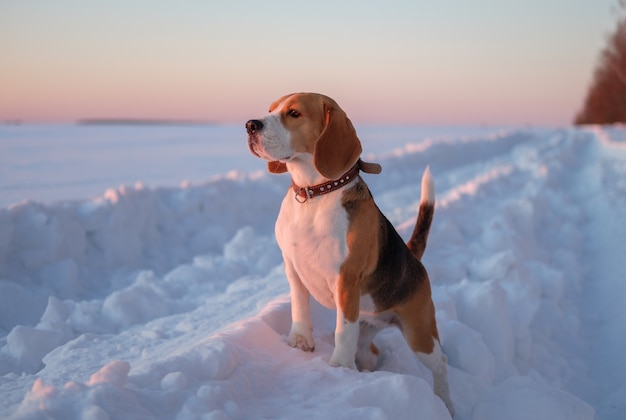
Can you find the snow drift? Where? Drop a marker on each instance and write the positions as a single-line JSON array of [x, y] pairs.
[[172, 302]]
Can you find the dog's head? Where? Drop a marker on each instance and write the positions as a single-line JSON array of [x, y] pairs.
[[304, 123]]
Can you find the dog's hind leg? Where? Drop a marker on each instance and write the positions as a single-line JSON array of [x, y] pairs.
[[437, 362], [419, 327], [367, 352]]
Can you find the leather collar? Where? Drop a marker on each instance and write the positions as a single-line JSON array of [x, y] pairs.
[[305, 193]]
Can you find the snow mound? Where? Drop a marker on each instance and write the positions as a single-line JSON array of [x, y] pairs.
[[172, 302]]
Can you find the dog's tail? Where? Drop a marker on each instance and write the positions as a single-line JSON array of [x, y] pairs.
[[417, 243]]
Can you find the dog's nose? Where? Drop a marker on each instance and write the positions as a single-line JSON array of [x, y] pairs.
[[253, 126]]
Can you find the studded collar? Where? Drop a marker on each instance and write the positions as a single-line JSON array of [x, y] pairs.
[[305, 193]]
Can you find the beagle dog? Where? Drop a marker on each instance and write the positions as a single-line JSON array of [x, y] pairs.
[[336, 243]]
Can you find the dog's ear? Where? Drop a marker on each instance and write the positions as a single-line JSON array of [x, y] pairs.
[[276, 167], [338, 147]]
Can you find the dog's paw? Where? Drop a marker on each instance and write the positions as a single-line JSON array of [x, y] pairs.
[[301, 342], [342, 359], [340, 363], [366, 359], [301, 336]]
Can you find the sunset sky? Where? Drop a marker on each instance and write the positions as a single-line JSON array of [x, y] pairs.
[[409, 62]]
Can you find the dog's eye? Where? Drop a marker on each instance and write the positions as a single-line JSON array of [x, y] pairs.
[[293, 113]]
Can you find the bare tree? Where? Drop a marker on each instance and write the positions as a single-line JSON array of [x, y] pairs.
[[606, 98]]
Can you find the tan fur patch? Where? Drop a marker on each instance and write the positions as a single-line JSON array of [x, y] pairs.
[[338, 147], [318, 125], [362, 239], [417, 318], [374, 349], [303, 116]]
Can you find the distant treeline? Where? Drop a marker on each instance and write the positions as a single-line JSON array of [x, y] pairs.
[[606, 99]]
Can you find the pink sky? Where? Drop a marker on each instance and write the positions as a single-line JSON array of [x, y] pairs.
[[410, 62]]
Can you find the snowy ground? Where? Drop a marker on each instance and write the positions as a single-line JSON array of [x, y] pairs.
[[171, 302]]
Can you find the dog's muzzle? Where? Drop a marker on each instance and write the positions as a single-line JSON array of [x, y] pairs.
[[254, 126]]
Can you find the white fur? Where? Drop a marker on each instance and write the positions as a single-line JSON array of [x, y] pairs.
[[312, 237], [428, 187], [437, 362], [301, 334], [274, 140], [346, 340]]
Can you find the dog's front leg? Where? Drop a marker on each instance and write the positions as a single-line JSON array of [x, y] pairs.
[[347, 328], [301, 334]]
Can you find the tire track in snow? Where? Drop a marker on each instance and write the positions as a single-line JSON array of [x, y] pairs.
[[601, 190], [482, 160], [528, 209]]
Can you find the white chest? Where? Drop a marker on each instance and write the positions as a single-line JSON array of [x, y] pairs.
[[312, 237]]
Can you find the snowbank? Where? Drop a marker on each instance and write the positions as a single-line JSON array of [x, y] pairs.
[[172, 302]]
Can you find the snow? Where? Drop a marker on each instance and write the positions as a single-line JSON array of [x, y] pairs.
[[170, 301]]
